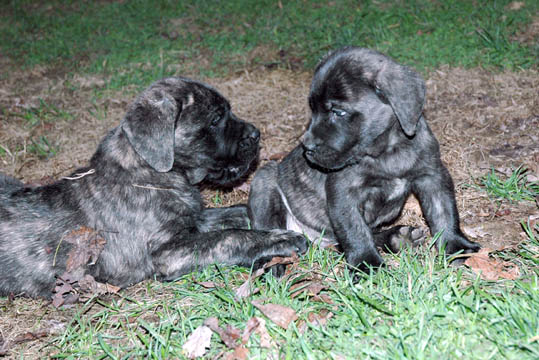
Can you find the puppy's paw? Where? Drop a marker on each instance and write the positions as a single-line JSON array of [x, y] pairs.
[[459, 244], [398, 237], [285, 242], [365, 261], [406, 236]]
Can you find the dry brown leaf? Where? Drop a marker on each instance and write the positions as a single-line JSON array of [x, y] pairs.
[[323, 298], [516, 5], [87, 245], [313, 288], [197, 342], [279, 314], [74, 284], [491, 269], [229, 336], [475, 231], [279, 260], [30, 336], [239, 353], [88, 286], [277, 156], [246, 289], [318, 319], [208, 284], [250, 327], [265, 339]]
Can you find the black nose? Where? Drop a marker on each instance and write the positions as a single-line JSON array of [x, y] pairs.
[[255, 135], [310, 147], [250, 140], [309, 142]]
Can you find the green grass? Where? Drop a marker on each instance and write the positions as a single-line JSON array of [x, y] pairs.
[[421, 310], [43, 113], [515, 187], [137, 41]]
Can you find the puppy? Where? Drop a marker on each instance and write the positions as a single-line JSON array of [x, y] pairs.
[[366, 149], [139, 192]]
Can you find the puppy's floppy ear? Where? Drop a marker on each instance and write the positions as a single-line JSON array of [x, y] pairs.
[[149, 127], [405, 91]]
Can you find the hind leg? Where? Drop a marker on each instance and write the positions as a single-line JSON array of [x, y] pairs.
[[265, 206]]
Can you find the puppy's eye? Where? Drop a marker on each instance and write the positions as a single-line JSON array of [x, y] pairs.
[[380, 94], [338, 112], [215, 121]]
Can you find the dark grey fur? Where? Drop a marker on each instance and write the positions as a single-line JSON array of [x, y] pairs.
[[142, 198], [366, 149]]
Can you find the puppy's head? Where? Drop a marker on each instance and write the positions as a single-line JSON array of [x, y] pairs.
[[178, 124], [357, 97]]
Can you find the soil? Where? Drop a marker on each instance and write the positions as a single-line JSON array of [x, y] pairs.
[[483, 120]]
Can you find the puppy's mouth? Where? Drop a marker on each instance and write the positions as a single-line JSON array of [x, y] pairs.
[[324, 161], [228, 175]]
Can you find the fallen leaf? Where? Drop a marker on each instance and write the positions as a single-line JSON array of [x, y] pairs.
[[74, 283], [87, 245], [89, 286], [503, 212], [475, 232], [277, 156], [239, 353], [516, 5], [30, 336], [323, 298], [250, 327], [491, 269], [228, 335], [313, 288], [246, 289], [197, 342], [265, 339], [279, 314], [319, 319], [208, 284]]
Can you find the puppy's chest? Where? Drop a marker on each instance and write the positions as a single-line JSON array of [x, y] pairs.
[[379, 189], [380, 200]]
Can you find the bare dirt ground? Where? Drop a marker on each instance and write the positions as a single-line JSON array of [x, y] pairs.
[[482, 120]]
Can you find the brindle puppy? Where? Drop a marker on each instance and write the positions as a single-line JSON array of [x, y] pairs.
[[366, 149], [139, 192]]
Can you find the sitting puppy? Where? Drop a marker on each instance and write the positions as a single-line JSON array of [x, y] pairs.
[[366, 149], [139, 193]]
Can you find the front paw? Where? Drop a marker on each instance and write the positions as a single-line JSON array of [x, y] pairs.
[[285, 242], [282, 243], [365, 261], [457, 243]]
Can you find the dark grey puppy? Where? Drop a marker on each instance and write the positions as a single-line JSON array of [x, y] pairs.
[[366, 149], [139, 192]]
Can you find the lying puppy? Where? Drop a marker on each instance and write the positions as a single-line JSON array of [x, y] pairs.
[[139, 193], [366, 149]]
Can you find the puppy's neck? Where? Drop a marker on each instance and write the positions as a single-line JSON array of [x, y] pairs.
[[115, 148]]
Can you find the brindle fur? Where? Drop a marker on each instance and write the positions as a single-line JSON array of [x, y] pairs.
[[366, 149], [139, 191]]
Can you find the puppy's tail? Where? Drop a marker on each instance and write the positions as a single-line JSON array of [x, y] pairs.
[[9, 184]]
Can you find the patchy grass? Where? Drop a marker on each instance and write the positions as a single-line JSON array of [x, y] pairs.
[[515, 187], [135, 42], [417, 308]]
